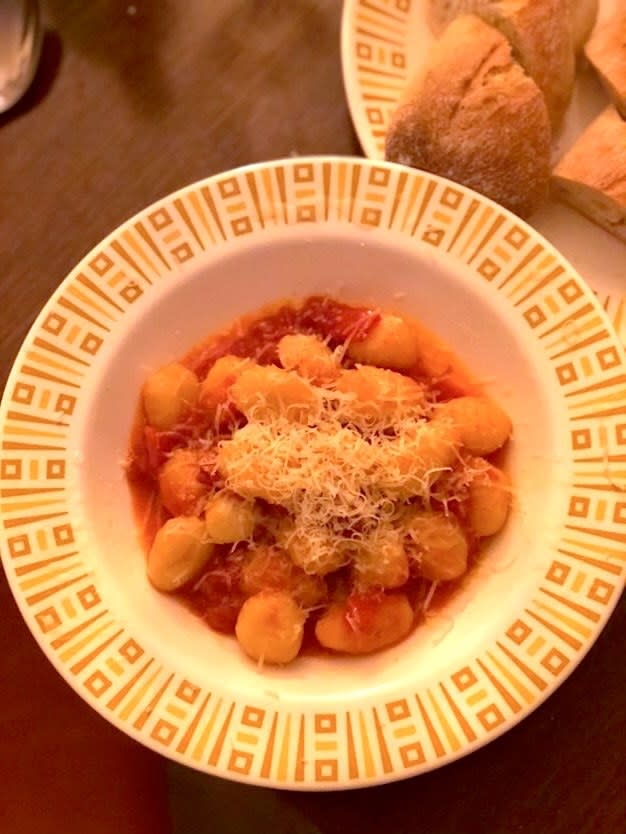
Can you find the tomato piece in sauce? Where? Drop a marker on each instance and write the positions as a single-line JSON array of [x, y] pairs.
[[159, 445], [335, 321], [258, 341], [217, 597], [361, 610]]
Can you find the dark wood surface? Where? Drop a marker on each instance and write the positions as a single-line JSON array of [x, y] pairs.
[[133, 100]]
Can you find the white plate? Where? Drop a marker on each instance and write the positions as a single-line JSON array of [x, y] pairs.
[[496, 291], [383, 44]]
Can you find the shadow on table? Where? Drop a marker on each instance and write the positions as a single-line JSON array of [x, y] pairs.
[[280, 80], [203, 805], [464, 798], [124, 35], [47, 71], [241, 78]]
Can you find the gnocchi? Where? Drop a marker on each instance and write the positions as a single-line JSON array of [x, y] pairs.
[[488, 501], [437, 362], [317, 469], [270, 627], [266, 392], [375, 394], [180, 489], [365, 625], [382, 561], [229, 518], [416, 459], [309, 356], [439, 545], [214, 390], [178, 554], [168, 395], [482, 425], [317, 555], [392, 343], [271, 567]]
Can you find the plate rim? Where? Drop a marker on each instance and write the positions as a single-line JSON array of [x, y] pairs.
[[348, 75]]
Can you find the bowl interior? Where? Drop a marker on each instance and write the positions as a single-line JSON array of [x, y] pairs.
[[398, 274]]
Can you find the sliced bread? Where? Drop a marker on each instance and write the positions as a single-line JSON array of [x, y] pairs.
[[474, 116], [584, 14], [591, 177], [606, 51]]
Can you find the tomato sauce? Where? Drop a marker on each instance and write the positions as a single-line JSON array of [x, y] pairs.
[[217, 596], [258, 338]]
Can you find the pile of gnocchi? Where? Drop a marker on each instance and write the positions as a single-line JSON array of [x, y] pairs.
[[316, 477]]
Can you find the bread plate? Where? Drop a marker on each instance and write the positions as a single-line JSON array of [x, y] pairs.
[[384, 44], [491, 286]]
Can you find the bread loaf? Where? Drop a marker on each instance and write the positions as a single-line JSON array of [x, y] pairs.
[[591, 177], [540, 32], [606, 51], [475, 117], [583, 14]]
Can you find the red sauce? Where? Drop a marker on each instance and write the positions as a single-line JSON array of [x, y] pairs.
[[217, 596], [334, 322], [361, 610], [147, 507]]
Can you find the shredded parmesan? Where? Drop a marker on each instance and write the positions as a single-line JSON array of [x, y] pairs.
[[429, 597], [339, 480]]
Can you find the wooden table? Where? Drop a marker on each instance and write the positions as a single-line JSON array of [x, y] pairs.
[[132, 101]]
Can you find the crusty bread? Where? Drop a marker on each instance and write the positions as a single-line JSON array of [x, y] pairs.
[[583, 14], [591, 177], [607, 53], [540, 32], [475, 117]]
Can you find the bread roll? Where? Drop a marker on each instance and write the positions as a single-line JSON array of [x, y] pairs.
[[475, 117], [540, 32], [607, 53], [584, 14], [591, 177]]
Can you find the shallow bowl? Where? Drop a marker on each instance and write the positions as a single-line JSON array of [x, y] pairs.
[[498, 293]]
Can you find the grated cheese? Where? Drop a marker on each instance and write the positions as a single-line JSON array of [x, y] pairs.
[[340, 481]]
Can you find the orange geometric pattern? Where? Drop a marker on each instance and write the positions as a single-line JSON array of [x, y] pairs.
[[378, 50]]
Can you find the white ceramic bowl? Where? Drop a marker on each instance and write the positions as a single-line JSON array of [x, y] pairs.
[[362, 231]]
